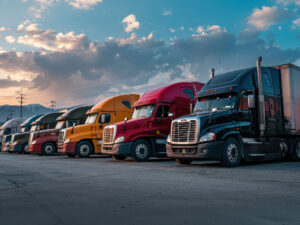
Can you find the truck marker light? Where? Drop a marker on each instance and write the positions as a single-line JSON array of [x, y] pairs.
[[157, 132], [230, 88]]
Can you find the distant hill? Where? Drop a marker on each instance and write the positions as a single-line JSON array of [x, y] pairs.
[[28, 110]]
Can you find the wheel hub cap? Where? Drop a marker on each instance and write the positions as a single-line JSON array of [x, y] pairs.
[[49, 149], [232, 152], [141, 151], [84, 150]]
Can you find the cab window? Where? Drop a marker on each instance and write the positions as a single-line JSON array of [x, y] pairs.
[[243, 103], [162, 111], [104, 118]]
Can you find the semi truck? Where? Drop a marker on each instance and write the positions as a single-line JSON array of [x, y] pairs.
[[10, 127], [20, 140], [145, 134], [249, 114], [85, 140], [46, 142], [37, 132]]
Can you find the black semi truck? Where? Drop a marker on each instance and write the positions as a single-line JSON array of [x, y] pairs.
[[249, 114]]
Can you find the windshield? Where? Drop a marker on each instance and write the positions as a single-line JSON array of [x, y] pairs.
[[70, 123], [224, 102], [34, 128], [91, 118], [143, 112], [60, 125]]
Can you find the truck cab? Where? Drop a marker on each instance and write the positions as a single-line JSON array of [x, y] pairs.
[[7, 130], [46, 143], [240, 115], [39, 131], [145, 134], [20, 140], [85, 140]]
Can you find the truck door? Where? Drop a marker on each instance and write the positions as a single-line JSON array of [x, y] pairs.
[[246, 116]]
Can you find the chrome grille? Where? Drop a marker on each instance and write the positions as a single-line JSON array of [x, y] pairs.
[[30, 138], [109, 135], [184, 131], [61, 136], [12, 138]]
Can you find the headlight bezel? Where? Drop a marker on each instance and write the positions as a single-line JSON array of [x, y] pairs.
[[169, 139], [68, 140], [33, 142], [120, 139], [210, 136]]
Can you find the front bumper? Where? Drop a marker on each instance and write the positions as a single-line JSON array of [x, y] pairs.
[[68, 148], [6, 148], [203, 151], [35, 148], [16, 148], [117, 149]]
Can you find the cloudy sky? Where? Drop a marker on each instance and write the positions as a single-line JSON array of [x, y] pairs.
[[81, 51]]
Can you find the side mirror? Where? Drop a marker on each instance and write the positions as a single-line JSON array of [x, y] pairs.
[[125, 119], [214, 110], [105, 118], [251, 104], [171, 114]]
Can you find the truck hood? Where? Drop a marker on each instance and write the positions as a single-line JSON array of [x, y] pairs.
[[132, 124], [19, 136], [48, 132]]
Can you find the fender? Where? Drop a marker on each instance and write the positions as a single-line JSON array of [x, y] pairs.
[[238, 136]]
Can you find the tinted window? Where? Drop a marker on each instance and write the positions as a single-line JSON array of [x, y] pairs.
[[189, 93], [243, 104], [267, 85], [127, 104], [162, 111], [7, 131]]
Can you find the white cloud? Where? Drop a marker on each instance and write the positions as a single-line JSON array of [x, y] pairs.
[[131, 23], [181, 28], [10, 39], [287, 2], [167, 12], [297, 22], [265, 17], [22, 25], [210, 29], [2, 29], [172, 30], [83, 4]]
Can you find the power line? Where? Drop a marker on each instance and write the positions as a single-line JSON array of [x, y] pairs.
[[21, 100], [52, 105]]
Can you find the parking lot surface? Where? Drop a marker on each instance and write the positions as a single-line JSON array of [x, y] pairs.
[[59, 190]]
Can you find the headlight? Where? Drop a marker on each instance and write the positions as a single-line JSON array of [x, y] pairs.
[[120, 139], [34, 142], [67, 141], [169, 138], [208, 137]]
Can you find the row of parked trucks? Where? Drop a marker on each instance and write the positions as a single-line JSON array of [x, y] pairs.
[[248, 114]]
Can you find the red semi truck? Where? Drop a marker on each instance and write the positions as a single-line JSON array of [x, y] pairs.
[[45, 142], [145, 134]]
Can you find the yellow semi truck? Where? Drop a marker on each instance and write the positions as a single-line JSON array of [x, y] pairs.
[[85, 140]]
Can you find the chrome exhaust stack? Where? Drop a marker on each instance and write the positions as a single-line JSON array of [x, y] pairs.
[[212, 73], [261, 100]]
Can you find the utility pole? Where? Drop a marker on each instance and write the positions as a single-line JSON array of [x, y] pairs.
[[53, 105], [21, 100]]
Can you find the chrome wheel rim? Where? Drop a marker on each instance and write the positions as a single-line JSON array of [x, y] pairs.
[[141, 151], [298, 149], [232, 152], [84, 150], [49, 149]]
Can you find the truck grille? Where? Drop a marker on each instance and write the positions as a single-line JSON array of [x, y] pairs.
[[184, 131], [12, 138], [61, 136], [109, 135], [30, 138]]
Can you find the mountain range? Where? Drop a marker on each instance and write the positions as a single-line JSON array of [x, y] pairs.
[[28, 110]]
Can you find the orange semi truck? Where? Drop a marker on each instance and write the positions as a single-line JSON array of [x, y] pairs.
[[85, 140]]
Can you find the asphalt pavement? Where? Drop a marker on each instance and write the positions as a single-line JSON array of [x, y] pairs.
[[57, 190]]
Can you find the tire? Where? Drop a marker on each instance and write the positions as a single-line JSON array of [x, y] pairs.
[[70, 155], [296, 153], [84, 149], [119, 157], [232, 152], [140, 151], [48, 149], [184, 161]]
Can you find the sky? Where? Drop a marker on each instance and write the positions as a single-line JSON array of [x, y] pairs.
[[83, 51]]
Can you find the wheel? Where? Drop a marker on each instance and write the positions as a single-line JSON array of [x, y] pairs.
[[84, 149], [184, 161], [232, 152], [296, 153], [70, 155], [48, 148], [119, 157], [141, 150]]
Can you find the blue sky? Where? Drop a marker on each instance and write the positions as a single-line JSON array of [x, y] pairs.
[[80, 51]]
